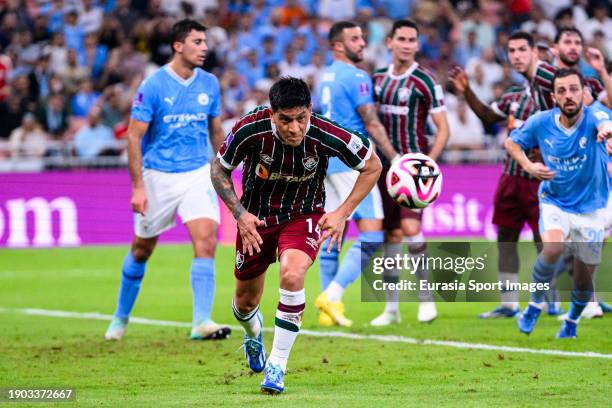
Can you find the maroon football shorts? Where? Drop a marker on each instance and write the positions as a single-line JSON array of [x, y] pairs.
[[394, 213], [300, 233], [516, 202]]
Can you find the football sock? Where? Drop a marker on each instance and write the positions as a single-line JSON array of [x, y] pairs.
[[543, 272], [203, 288], [334, 292], [418, 248], [328, 264], [350, 268], [248, 320], [552, 294], [509, 298], [392, 276], [132, 273], [287, 325], [580, 298]]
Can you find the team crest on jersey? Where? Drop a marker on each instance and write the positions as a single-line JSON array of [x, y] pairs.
[[582, 142], [403, 94], [266, 159], [239, 260], [310, 162], [203, 99]]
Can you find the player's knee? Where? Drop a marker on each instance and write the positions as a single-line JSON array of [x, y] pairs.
[[244, 302], [205, 246], [292, 278], [394, 236], [411, 229], [141, 253], [551, 251]]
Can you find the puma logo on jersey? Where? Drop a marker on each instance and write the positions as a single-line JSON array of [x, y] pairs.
[[169, 101]]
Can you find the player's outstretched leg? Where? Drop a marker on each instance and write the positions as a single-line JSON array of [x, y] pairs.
[[132, 272], [542, 273], [203, 288], [254, 349]]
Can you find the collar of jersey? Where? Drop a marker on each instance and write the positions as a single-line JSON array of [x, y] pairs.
[[279, 138], [177, 77], [563, 128], [405, 74]]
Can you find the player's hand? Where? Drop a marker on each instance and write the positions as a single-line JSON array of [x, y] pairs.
[[247, 226], [596, 59], [458, 79], [609, 147], [605, 133], [540, 171], [139, 200], [332, 224]]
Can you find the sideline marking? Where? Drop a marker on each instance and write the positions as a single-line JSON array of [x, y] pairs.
[[314, 333]]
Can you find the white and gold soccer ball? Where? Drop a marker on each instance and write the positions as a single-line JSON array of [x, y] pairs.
[[414, 180]]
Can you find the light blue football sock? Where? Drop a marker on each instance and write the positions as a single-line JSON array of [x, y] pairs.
[[132, 273], [543, 272], [203, 288], [328, 264], [580, 298], [350, 268]]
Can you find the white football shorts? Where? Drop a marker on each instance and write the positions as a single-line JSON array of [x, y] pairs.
[[190, 194], [584, 232], [338, 186]]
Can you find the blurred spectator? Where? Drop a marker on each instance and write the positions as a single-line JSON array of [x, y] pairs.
[[235, 90], [58, 53], [550, 8], [337, 9], [90, 17], [260, 12], [599, 22], [6, 65], [55, 21], [539, 26], [395, 9], [491, 71], [21, 89], [39, 77], [95, 139], [468, 132], [73, 33], [467, 51], [290, 67], [268, 54], [292, 13], [28, 140], [41, 32], [126, 62], [250, 68], [159, 42], [126, 16], [93, 55], [484, 33], [113, 107], [84, 99], [74, 73], [11, 115], [111, 34], [53, 115]]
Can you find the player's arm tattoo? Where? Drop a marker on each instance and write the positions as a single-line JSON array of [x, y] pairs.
[[482, 110], [376, 129], [222, 182]]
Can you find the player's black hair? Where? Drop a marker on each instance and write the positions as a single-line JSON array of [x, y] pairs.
[[403, 23], [335, 32], [289, 92], [522, 35], [567, 30], [181, 29], [565, 72]]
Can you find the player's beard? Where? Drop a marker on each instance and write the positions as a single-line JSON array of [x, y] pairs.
[[569, 114], [353, 56], [567, 62]]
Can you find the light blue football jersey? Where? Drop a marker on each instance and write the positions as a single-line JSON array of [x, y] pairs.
[[177, 111], [343, 89], [580, 184]]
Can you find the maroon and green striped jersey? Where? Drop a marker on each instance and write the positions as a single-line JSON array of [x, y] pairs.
[[541, 86], [516, 105], [280, 182], [404, 102]]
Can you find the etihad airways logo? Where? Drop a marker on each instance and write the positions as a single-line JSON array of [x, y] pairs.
[[183, 119], [264, 173]]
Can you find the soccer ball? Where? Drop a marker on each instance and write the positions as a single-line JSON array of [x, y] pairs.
[[414, 180]]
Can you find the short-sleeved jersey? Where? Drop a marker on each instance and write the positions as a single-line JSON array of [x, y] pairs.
[[595, 86], [541, 86], [177, 111], [580, 184], [344, 88], [404, 102], [516, 105], [280, 181]]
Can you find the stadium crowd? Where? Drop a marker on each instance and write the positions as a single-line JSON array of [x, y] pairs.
[[69, 68]]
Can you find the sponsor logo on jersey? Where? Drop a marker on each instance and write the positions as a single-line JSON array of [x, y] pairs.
[[310, 162], [169, 101], [203, 99], [582, 142], [138, 98], [264, 173], [312, 242], [183, 119], [393, 109], [239, 260]]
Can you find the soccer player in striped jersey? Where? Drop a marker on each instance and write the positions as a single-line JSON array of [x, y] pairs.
[[407, 94], [286, 150], [174, 113], [346, 97], [573, 193]]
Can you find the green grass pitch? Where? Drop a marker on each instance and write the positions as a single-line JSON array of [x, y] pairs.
[[159, 366]]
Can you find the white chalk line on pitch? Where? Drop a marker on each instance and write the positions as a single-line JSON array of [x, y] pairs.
[[314, 333]]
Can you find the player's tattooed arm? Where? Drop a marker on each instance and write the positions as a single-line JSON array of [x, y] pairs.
[[135, 132], [247, 222], [215, 130], [376, 129], [222, 182], [459, 80]]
